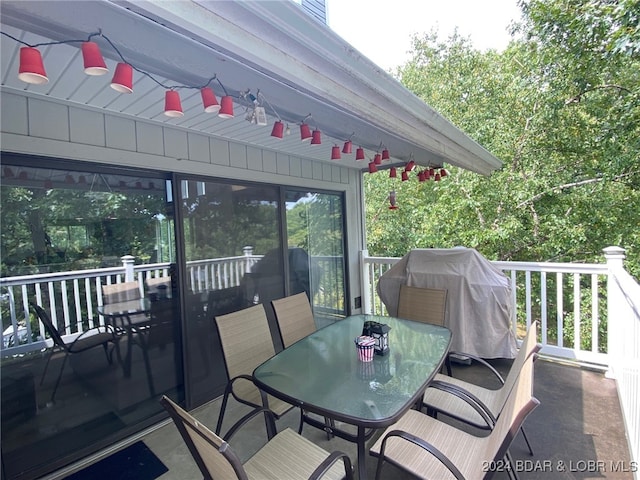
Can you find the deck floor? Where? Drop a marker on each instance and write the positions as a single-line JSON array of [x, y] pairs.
[[577, 432]]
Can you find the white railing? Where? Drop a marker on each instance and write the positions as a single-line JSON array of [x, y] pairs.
[[595, 307], [624, 344], [72, 297]]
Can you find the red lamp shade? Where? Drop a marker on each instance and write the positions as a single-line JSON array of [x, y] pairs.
[[385, 154], [278, 129], [377, 159], [122, 80], [410, 166], [427, 174], [443, 172], [226, 107], [93, 61], [437, 177], [335, 153], [360, 153], [305, 132], [393, 172], [316, 137], [172, 105], [347, 147], [372, 167], [405, 176], [421, 177], [209, 100], [31, 66], [432, 172]]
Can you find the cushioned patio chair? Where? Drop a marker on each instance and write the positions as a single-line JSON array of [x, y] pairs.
[[295, 321], [287, 456], [429, 448], [246, 343], [440, 400], [295, 318], [426, 305], [94, 337]]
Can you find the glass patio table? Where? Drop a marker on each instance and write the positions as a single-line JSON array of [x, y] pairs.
[[322, 374]]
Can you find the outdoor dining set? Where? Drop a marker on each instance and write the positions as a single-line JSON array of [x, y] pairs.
[[373, 380], [390, 397]]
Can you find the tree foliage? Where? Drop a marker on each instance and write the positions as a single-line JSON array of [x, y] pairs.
[[561, 108]]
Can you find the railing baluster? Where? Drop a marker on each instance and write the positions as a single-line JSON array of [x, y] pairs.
[[78, 304], [543, 306], [595, 314], [527, 283], [560, 312], [576, 311], [87, 296]]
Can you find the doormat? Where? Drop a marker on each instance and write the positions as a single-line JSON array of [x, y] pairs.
[[136, 462]]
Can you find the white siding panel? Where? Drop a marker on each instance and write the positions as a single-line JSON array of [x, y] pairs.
[[14, 114], [307, 168], [219, 152], [254, 159], [317, 171], [295, 166], [120, 133], [198, 147], [87, 127], [269, 161], [48, 120], [149, 138], [175, 143], [238, 155], [282, 164]]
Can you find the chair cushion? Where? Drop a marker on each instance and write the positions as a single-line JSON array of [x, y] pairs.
[[90, 341], [289, 456], [460, 447]]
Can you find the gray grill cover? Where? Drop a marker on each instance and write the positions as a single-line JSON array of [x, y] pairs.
[[479, 305]]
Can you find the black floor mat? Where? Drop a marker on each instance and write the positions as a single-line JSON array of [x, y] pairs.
[[136, 462]]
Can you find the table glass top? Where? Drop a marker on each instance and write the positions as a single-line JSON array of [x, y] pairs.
[[322, 371]]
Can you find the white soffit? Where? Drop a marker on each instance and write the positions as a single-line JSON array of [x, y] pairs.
[[300, 65]]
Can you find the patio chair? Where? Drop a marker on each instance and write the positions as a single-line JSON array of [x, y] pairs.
[[426, 305], [429, 448], [94, 337], [285, 456], [295, 321], [295, 318], [440, 400], [246, 343], [120, 292]]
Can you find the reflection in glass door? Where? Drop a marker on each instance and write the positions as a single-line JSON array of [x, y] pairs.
[[233, 259], [315, 236]]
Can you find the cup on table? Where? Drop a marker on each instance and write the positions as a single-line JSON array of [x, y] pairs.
[[365, 347]]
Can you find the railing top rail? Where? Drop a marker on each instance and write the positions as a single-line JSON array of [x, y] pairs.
[[598, 268]]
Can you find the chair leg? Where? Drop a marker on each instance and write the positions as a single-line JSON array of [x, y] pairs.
[[527, 441], [46, 365], [223, 407], [55, 388]]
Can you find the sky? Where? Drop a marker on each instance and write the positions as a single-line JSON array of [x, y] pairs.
[[382, 29]]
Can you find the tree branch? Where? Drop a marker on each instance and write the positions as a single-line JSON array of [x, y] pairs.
[[578, 97], [566, 186]]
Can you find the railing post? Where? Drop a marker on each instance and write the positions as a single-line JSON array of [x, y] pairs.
[[127, 263], [248, 252], [365, 287], [615, 262]]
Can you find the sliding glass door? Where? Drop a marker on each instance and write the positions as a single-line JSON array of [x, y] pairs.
[[315, 236], [233, 260]]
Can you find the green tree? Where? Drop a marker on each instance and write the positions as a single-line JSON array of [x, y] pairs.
[[561, 108]]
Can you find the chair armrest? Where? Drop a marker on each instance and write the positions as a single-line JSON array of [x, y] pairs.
[[481, 361], [473, 401], [246, 418], [248, 378], [329, 462], [424, 445]]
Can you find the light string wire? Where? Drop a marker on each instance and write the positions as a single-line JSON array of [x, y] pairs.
[[124, 60]]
